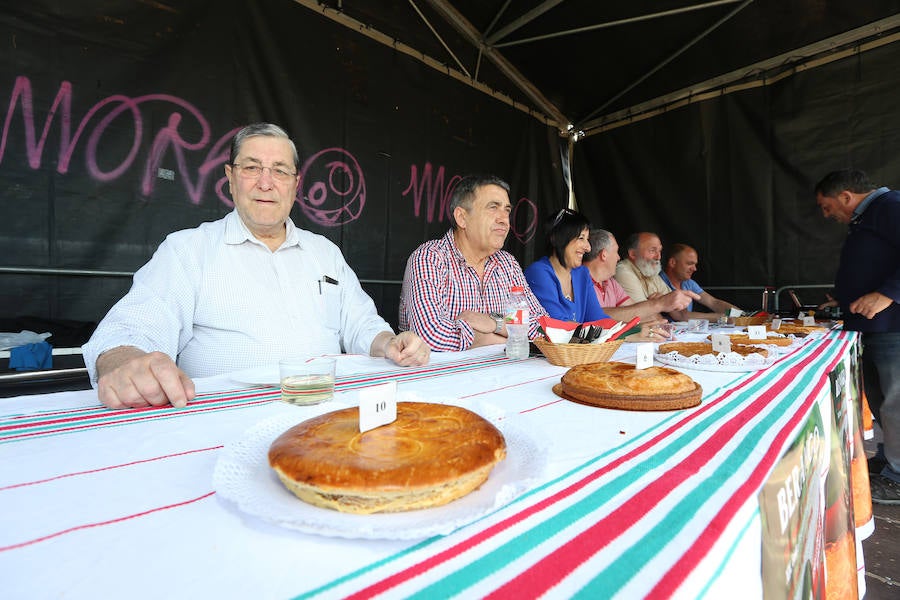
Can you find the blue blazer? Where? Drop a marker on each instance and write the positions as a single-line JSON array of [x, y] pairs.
[[545, 285]]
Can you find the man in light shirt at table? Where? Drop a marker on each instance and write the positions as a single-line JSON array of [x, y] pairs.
[[455, 287], [639, 273], [678, 275], [601, 262], [244, 291]]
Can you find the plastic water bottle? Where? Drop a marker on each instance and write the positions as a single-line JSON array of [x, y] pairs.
[[516, 318]]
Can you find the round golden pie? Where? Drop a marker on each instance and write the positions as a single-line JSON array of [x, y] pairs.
[[430, 455], [621, 385], [743, 338], [701, 348], [798, 330]]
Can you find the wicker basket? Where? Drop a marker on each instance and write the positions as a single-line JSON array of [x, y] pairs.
[[744, 321], [569, 355]]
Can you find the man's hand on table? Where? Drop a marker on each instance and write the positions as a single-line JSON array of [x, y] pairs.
[[131, 378], [405, 349]]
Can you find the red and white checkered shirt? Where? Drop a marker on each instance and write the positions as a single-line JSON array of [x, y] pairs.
[[438, 285]]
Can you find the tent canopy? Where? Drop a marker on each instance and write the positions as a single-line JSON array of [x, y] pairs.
[[584, 65]]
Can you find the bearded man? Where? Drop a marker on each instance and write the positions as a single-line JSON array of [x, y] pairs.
[[638, 272]]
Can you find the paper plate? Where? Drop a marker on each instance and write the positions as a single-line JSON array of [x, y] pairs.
[[243, 477]]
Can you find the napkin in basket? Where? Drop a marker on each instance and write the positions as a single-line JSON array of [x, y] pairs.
[[560, 332]]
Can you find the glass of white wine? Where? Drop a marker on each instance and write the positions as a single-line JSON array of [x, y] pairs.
[[306, 381]]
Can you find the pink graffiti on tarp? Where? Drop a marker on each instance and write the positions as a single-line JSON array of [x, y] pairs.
[[437, 196], [169, 138], [524, 234], [433, 189], [337, 194], [340, 195]]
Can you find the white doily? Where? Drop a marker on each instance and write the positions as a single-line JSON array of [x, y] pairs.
[[242, 476], [729, 362]]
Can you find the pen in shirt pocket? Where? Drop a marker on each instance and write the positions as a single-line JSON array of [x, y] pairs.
[[326, 279]]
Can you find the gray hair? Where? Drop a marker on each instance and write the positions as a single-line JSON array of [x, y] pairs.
[[464, 192], [600, 239], [261, 129]]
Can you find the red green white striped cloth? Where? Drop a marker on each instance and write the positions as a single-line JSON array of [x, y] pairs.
[[638, 521]]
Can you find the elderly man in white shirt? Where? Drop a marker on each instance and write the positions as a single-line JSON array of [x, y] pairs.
[[243, 291]]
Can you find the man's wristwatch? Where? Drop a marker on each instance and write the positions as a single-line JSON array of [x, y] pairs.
[[498, 321]]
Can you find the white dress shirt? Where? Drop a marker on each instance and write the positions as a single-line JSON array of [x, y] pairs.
[[216, 300]]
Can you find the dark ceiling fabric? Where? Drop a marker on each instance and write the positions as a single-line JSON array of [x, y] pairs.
[[733, 176], [605, 67], [382, 137]]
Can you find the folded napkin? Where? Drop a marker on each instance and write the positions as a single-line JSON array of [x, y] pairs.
[[31, 357], [560, 332]]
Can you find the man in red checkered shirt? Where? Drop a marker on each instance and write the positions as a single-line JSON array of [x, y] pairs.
[[455, 287]]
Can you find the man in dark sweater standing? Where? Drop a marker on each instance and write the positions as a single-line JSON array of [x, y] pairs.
[[867, 286]]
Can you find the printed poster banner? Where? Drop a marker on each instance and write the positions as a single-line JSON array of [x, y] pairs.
[[840, 531], [792, 510]]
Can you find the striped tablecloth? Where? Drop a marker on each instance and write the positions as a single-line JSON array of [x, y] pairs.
[[99, 503]]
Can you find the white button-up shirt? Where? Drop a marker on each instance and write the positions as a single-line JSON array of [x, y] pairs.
[[216, 300]]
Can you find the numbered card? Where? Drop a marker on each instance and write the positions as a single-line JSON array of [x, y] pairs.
[[776, 324], [377, 406], [756, 332], [809, 320], [721, 343], [644, 356]]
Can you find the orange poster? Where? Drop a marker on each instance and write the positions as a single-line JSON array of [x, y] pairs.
[[792, 509]]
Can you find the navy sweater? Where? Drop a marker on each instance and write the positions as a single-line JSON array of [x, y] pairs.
[[870, 262]]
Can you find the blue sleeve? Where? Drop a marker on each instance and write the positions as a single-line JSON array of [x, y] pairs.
[[588, 308], [545, 286], [665, 278], [691, 286]]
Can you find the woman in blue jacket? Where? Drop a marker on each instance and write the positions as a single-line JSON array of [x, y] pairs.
[[562, 285]]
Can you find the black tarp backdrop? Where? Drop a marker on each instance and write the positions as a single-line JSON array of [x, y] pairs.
[[733, 176], [108, 100], [119, 115]]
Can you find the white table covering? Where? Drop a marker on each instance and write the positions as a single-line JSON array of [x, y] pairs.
[[100, 504]]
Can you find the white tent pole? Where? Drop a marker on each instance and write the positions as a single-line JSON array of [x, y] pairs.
[[677, 53], [439, 38], [608, 24], [464, 27], [551, 117], [528, 17], [758, 74]]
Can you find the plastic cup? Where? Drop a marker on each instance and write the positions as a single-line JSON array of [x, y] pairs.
[[306, 381], [698, 325], [664, 330]]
